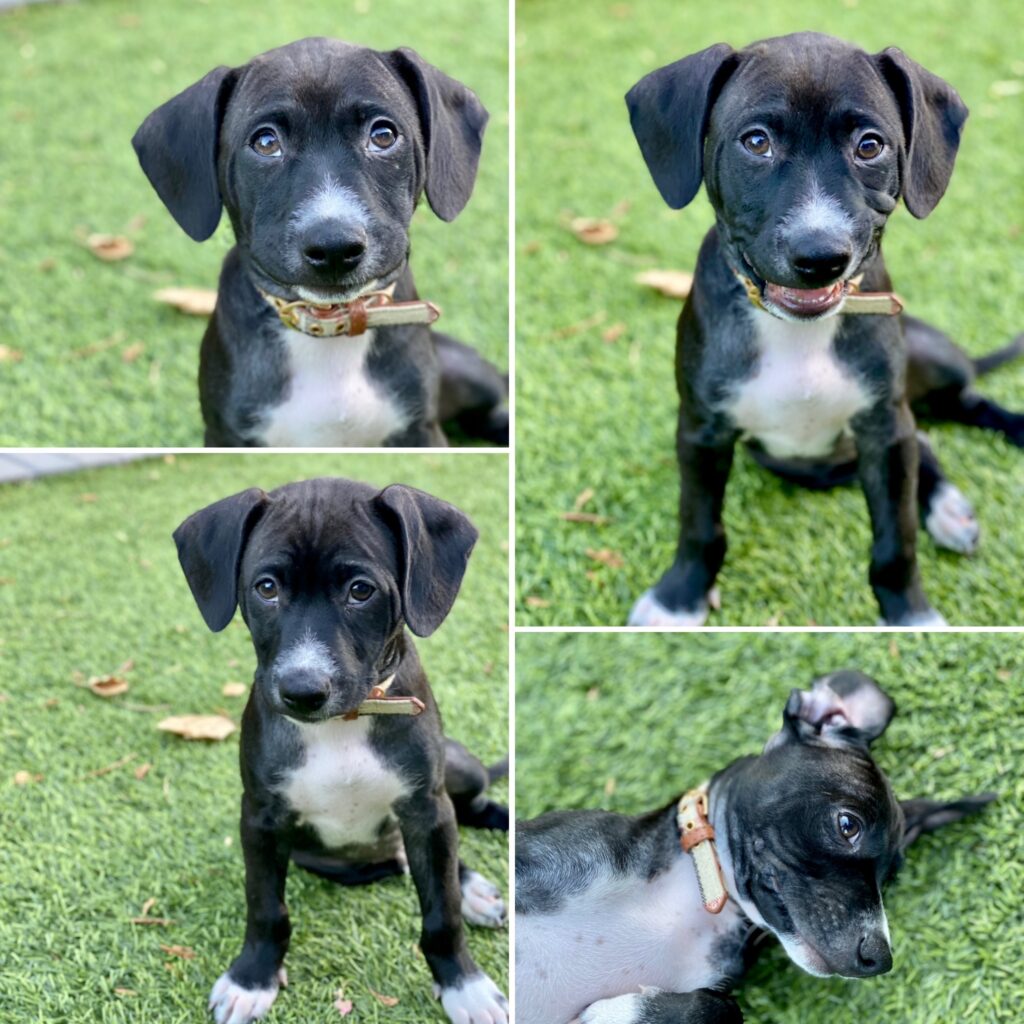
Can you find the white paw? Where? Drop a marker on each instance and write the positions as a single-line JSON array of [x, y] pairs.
[[951, 521], [232, 1004], [620, 1010], [930, 619], [482, 904], [476, 1001], [649, 611]]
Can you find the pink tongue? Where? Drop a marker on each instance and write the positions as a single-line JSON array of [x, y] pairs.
[[803, 299]]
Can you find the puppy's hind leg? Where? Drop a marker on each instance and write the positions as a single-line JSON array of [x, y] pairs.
[[653, 1006], [474, 394], [466, 779], [945, 513]]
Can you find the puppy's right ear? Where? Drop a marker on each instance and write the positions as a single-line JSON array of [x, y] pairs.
[[669, 111], [210, 545], [177, 148], [841, 709]]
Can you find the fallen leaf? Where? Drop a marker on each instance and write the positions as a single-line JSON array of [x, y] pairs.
[[609, 787], [107, 769], [125, 992], [537, 602], [194, 301], [1003, 675], [593, 230], [234, 689], [182, 952], [613, 333], [593, 693], [23, 778], [148, 906], [52, 702], [132, 352], [581, 326], [584, 517], [343, 1005], [583, 498], [88, 499], [384, 1000], [107, 686], [894, 649], [198, 727], [1009, 87], [10, 355], [159, 921], [606, 557], [137, 223], [940, 752], [143, 770], [674, 283], [110, 248]]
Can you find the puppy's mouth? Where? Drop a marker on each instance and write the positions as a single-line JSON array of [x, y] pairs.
[[795, 303]]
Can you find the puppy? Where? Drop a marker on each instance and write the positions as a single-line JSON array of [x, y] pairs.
[[345, 766], [791, 338], [616, 923], [320, 152]]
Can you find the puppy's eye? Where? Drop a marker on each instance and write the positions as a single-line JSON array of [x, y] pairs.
[[267, 588], [869, 147], [757, 143], [265, 142], [383, 135], [849, 826], [361, 591]]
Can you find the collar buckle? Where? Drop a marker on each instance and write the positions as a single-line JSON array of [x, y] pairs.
[[351, 319]]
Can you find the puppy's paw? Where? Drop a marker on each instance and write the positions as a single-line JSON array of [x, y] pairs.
[[620, 1010], [649, 611], [233, 1004], [951, 521], [482, 904], [930, 619], [477, 1000]]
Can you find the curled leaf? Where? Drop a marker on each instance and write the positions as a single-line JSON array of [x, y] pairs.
[[198, 727], [194, 301], [234, 689], [107, 686], [676, 284], [593, 230], [110, 248]]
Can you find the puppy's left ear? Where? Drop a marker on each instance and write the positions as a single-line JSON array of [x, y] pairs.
[[177, 148], [210, 546], [434, 543], [841, 709], [933, 117], [453, 121]]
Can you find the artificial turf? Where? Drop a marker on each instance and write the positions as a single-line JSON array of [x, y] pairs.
[[76, 81], [596, 400], [90, 581], [626, 722]]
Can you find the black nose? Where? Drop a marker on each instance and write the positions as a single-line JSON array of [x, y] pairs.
[[873, 955], [304, 692], [332, 248], [819, 262]]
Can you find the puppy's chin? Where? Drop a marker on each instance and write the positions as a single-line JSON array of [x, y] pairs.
[[805, 956]]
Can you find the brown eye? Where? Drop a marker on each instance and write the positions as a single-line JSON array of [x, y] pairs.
[[265, 142], [869, 147], [383, 135], [361, 591], [267, 589], [849, 826], [758, 143]]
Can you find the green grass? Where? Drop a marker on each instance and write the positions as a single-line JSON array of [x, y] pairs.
[[91, 582], [77, 80], [601, 414], [625, 722]]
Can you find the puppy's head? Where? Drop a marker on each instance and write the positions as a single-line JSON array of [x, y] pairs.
[[805, 143], [320, 152], [326, 573]]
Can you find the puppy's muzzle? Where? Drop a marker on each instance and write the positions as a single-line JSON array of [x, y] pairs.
[[331, 248], [874, 955], [303, 691]]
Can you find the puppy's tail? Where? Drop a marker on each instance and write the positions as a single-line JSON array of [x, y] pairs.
[[498, 770], [1001, 356], [923, 815]]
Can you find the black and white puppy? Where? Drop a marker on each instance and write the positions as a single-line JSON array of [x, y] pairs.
[[320, 152], [610, 923], [805, 144], [328, 573]]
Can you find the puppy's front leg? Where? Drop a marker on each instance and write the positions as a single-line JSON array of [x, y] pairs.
[[431, 839], [887, 463], [248, 988], [681, 596], [653, 1006]]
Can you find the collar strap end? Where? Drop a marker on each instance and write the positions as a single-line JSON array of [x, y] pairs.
[[379, 703], [697, 838]]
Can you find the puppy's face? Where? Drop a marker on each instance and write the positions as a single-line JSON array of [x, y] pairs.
[[327, 574], [821, 831]]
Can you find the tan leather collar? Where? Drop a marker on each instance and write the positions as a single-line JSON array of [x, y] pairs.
[[374, 309], [855, 303], [379, 703], [697, 838]]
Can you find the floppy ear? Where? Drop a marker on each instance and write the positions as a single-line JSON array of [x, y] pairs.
[[933, 117], [177, 148], [922, 816], [840, 709], [669, 111], [210, 545], [434, 543], [453, 121]]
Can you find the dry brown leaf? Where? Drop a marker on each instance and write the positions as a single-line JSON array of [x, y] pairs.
[[23, 778], [198, 727], [143, 770], [132, 352], [107, 686], [594, 230], [341, 1004], [194, 301], [148, 906], [581, 326], [384, 1000], [159, 921], [584, 517], [125, 992], [10, 355], [609, 787], [582, 498], [674, 283], [182, 952], [606, 557], [110, 248], [613, 333], [108, 768], [234, 689], [1003, 675], [537, 602]]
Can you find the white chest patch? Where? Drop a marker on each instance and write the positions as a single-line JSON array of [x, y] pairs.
[[619, 934], [332, 401], [801, 398], [342, 789]]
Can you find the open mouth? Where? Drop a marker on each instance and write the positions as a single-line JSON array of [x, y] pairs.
[[797, 303]]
